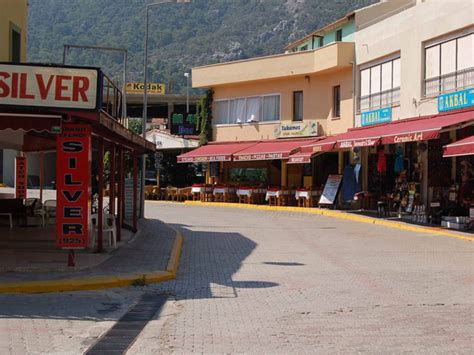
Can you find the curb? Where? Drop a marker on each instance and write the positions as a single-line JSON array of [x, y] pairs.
[[340, 215], [102, 282]]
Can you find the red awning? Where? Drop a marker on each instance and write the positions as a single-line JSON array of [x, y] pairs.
[[402, 131], [214, 152], [425, 128], [303, 156], [462, 147], [273, 149]]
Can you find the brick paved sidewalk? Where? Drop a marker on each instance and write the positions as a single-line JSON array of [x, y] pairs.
[[149, 252]]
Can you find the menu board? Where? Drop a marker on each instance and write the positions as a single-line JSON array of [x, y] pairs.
[[330, 190]]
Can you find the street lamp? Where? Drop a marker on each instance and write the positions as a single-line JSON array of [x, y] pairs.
[[187, 91], [145, 93]]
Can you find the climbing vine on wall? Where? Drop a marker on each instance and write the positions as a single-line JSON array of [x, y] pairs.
[[204, 117]]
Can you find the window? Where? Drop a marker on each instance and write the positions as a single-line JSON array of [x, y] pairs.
[[321, 41], [298, 106], [15, 46], [449, 65], [339, 35], [336, 101], [304, 48], [380, 85], [247, 110]]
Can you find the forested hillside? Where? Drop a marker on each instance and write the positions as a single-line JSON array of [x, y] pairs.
[[181, 35]]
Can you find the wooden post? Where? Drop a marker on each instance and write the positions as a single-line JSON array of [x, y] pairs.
[[135, 191], [121, 177], [284, 173], [100, 211], [112, 180], [41, 175]]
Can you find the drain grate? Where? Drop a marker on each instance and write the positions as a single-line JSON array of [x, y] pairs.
[[119, 338]]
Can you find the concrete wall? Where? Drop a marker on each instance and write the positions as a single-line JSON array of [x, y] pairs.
[[329, 58], [406, 32], [13, 13], [317, 104]]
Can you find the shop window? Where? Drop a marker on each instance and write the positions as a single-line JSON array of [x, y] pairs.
[[380, 85], [336, 101], [339, 35], [15, 46], [248, 175], [449, 65], [298, 106], [247, 110]]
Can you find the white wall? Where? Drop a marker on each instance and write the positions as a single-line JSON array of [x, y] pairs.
[[406, 33]]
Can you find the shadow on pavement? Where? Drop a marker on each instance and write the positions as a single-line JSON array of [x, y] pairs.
[[209, 263]]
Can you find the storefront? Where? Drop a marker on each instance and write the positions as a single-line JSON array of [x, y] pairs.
[[76, 113]]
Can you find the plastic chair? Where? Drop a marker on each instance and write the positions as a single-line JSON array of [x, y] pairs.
[[49, 207], [108, 227]]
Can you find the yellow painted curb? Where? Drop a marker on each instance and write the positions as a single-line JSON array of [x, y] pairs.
[[102, 282], [341, 215]]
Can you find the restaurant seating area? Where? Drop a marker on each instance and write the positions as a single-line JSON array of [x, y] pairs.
[[244, 194]]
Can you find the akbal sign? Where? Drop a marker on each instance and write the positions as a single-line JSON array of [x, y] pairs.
[[43, 86], [73, 186]]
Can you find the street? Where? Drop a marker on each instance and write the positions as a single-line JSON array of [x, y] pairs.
[[273, 282]]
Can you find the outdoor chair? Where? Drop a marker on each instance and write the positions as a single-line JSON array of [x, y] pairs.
[[49, 207], [184, 194], [108, 227]]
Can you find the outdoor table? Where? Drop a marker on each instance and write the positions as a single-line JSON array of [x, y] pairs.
[[305, 197], [277, 196], [223, 193], [249, 194]]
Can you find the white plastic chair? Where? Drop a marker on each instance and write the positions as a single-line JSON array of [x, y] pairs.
[[49, 207], [108, 227]]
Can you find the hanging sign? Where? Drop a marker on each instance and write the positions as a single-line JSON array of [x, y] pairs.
[[297, 129], [20, 178], [455, 100], [330, 190], [184, 124], [46, 86], [73, 175], [376, 116]]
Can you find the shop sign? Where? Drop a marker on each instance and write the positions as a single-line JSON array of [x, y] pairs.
[[205, 159], [368, 142], [73, 172], [330, 190], [139, 88], [456, 100], [128, 202], [297, 129], [376, 116], [300, 160], [43, 86], [410, 137], [20, 177], [264, 156], [184, 125]]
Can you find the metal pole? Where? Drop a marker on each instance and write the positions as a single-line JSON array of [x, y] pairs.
[[100, 205], [187, 92], [124, 91], [145, 115]]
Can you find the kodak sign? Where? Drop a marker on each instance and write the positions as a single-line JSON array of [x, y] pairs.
[[42, 86], [73, 175]]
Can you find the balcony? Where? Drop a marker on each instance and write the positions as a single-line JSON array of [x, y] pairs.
[[334, 56], [459, 80], [378, 100]]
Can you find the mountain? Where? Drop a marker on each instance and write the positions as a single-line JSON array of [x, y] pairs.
[[182, 36]]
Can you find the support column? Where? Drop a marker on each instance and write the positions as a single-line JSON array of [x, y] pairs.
[[100, 208], [135, 192], [41, 176], [365, 168], [208, 173], [284, 173], [340, 164], [452, 136], [120, 205], [112, 179]]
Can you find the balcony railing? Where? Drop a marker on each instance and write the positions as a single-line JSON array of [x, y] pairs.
[[112, 99], [449, 82], [382, 99]]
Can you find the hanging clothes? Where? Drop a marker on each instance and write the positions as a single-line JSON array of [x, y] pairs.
[[357, 169], [348, 184], [399, 161], [382, 162]]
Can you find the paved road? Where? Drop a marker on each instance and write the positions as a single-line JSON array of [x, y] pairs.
[[258, 281]]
